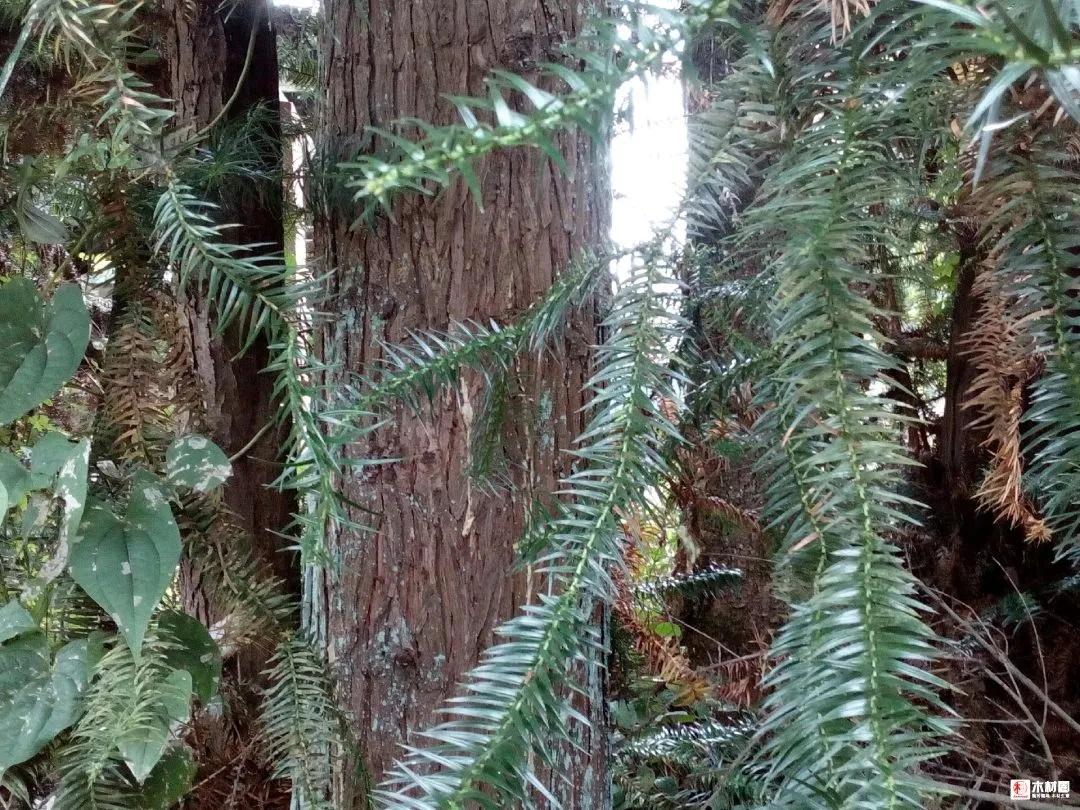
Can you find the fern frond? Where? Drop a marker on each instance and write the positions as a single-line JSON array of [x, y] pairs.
[[77, 28], [692, 585], [487, 466], [238, 160], [1024, 39], [700, 761], [123, 702], [683, 743], [254, 604], [258, 291], [95, 40], [135, 424], [730, 144], [261, 296], [663, 659], [128, 106], [314, 439], [662, 654], [415, 371]]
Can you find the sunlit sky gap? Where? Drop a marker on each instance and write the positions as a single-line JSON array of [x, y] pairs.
[[648, 155]]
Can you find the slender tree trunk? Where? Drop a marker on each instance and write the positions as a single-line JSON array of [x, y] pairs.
[[415, 600], [222, 68], [208, 59]]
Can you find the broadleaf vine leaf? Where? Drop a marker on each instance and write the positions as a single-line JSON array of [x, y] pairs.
[[194, 652], [15, 620], [61, 465], [39, 699], [143, 746], [196, 463], [14, 478], [126, 563], [170, 780], [43, 344]]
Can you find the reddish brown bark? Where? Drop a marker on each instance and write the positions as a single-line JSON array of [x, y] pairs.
[[417, 598]]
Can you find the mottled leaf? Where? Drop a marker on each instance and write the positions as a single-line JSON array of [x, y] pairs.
[[126, 563], [193, 650], [38, 701], [70, 677], [15, 620], [171, 779], [62, 465], [71, 488], [42, 344], [47, 457], [37, 509], [24, 706], [196, 463]]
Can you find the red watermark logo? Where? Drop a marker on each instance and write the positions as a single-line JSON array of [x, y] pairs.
[[1023, 789]]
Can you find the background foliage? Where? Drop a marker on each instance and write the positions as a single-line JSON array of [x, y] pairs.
[[860, 362]]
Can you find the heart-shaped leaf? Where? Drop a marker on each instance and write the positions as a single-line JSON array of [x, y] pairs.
[[192, 650], [70, 677], [37, 510], [176, 695], [125, 564], [24, 699], [38, 701], [170, 780], [196, 463], [143, 746], [62, 465], [47, 457], [43, 344], [71, 488]]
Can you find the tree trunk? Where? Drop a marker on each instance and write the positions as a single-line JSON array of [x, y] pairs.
[[217, 56], [415, 600], [206, 53]]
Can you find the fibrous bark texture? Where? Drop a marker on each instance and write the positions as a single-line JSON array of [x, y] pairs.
[[415, 599]]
